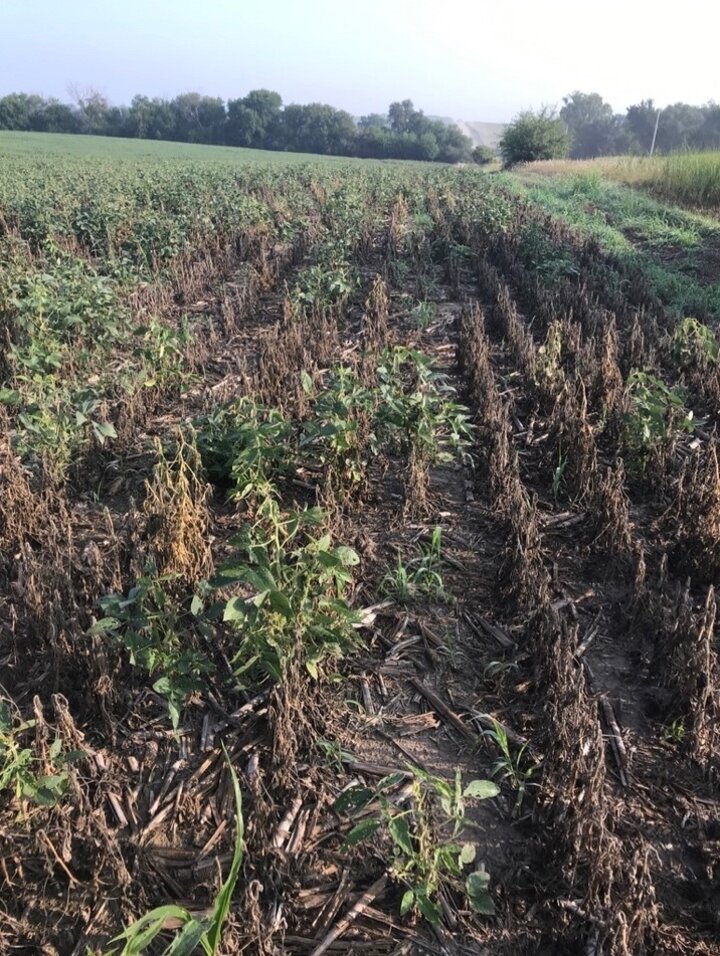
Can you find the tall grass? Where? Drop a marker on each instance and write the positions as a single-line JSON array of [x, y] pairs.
[[692, 179], [689, 179]]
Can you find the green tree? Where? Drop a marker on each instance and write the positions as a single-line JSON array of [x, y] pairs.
[[116, 121], [255, 120], [244, 126], [150, 118], [579, 109], [594, 130], [198, 118], [640, 120], [535, 135], [708, 136], [374, 142], [20, 111], [483, 155], [59, 118], [318, 128], [679, 127], [93, 111], [400, 116], [428, 146], [373, 120], [455, 146]]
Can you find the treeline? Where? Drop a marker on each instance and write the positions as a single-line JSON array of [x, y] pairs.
[[258, 120], [596, 131]]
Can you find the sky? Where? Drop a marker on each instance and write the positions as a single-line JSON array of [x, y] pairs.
[[473, 60]]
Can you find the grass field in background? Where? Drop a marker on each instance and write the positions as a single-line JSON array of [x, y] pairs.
[[678, 249], [66, 145], [691, 179]]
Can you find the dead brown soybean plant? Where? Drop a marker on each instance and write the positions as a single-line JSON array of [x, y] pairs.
[[474, 359], [523, 577], [612, 511], [572, 797], [176, 511], [687, 660], [694, 518], [375, 318], [574, 460]]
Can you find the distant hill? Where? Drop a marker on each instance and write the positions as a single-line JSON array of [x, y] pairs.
[[481, 134]]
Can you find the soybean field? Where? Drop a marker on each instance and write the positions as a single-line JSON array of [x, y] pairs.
[[359, 537]]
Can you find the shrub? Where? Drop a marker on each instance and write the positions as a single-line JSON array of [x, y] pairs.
[[532, 136], [656, 410], [483, 155]]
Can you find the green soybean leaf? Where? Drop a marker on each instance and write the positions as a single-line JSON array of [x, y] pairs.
[[429, 909], [280, 603], [348, 557], [467, 854], [407, 902], [235, 610], [481, 789], [400, 832], [477, 888], [353, 800], [362, 831]]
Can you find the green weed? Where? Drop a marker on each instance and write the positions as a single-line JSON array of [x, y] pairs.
[[427, 855], [416, 410], [294, 584], [515, 769], [656, 411], [558, 475], [420, 577], [424, 313], [19, 762], [160, 634], [248, 446], [693, 341], [675, 732]]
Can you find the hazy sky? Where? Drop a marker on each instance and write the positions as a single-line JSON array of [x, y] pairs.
[[469, 59]]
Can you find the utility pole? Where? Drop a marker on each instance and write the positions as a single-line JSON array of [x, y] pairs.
[[657, 123]]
